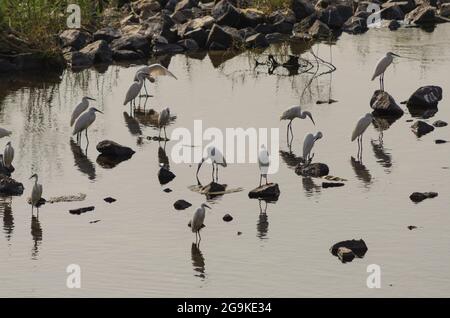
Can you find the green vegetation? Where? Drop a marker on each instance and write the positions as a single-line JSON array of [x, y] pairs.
[[271, 5]]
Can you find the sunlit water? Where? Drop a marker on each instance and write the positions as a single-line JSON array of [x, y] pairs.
[[141, 246]]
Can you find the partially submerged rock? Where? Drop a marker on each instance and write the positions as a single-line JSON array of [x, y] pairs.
[[109, 200], [424, 14], [316, 170], [165, 175], [82, 210], [358, 247], [440, 141], [213, 188], [426, 97], [9, 186], [227, 218], [332, 184], [440, 123], [181, 205], [421, 128], [420, 196], [384, 104], [113, 149], [266, 191]]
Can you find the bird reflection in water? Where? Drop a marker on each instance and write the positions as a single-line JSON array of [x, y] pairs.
[[132, 124], [36, 234], [383, 157], [198, 261], [163, 159], [310, 187], [83, 163], [262, 226], [362, 173], [290, 158], [8, 218]]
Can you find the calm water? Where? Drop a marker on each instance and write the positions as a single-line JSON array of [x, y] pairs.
[[142, 246]]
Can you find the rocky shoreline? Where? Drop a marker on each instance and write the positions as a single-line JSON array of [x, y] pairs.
[[144, 28]]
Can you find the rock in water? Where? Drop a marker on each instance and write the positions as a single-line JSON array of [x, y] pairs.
[[227, 218], [420, 196], [213, 187], [425, 96], [345, 254], [358, 247], [316, 170], [109, 200], [421, 128], [165, 175], [113, 149], [440, 141], [423, 14], [181, 205], [384, 104], [439, 123], [9, 186], [82, 210], [411, 227], [266, 191], [332, 184]]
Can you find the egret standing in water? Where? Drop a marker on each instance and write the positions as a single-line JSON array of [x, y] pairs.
[[381, 67], [4, 132], [291, 114], [134, 89], [36, 193], [359, 130], [264, 163], [153, 71], [216, 158], [197, 221], [8, 155], [308, 145], [163, 121], [84, 121], [79, 109]]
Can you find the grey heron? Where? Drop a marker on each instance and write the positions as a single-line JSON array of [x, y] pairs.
[[84, 121], [381, 67], [308, 144]]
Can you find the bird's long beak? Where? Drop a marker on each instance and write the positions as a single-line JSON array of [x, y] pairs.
[[207, 206], [396, 55], [310, 116], [99, 111], [32, 176], [90, 98]]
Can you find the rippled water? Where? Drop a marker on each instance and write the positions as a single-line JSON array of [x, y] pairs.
[[141, 246]]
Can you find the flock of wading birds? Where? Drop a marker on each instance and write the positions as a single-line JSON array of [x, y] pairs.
[[82, 118]]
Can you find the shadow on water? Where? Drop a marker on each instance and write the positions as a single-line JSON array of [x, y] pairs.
[[310, 187], [290, 159], [198, 261], [163, 159], [36, 234], [83, 163], [362, 173], [132, 124], [262, 226], [8, 218]]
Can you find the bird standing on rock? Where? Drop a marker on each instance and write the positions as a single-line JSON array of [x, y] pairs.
[[216, 158], [8, 155], [152, 71], [381, 67], [264, 163], [308, 145]]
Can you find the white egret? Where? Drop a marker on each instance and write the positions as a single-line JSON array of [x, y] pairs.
[[84, 121], [153, 71], [36, 193], [4, 132], [134, 89], [292, 113], [8, 155], [216, 158], [197, 221], [163, 120], [79, 109], [359, 130], [308, 145], [264, 163], [381, 67]]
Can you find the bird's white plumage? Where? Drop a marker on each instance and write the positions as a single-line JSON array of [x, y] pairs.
[[216, 156], [8, 155], [154, 70], [84, 121], [197, 219], [164, 117], [36, 192], [382, 65], [135, 88], [291, 113], [79, 109], [308, 143], [4, 132], [263, 160], [362, 125]]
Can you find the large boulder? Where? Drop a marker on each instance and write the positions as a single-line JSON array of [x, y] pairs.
[[181, 205], [405, 5], [198, 35], [78, 60], [384, 104], [302, 8], [74, 38], [136, 42], [185, 4], [444, 10], [331, 17], [355, 25], [113, 149], [126, 55], [424, 14], [269, 191], [320, 30], [392, 11], [107, 34], [218, 38], [256, 40], [231, 17], [315, 170], [99, 51], [251, 17], [426, 97], [161, 25], [165, 175], [9, 186]]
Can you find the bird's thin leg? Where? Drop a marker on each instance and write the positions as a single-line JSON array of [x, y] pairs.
[[382, 81], [361, 148], [145, 87], [260, 179], [165, 135], [212, 175], [266, 179], [87, 139], [159, 136], [287, 133], [217, 173], [199, 237]]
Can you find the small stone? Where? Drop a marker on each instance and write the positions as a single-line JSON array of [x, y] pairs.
[[181, 205], [109, 200], [439, 123], [440, 141], [420, 196], [213, 187], [239, 233], [227, 218], [412, 227], [332, 184], [82, 210], [266, 191], [167, 190], [316, 170], [421, 128]]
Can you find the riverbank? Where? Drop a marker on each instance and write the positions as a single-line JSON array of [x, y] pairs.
[[135, 31]]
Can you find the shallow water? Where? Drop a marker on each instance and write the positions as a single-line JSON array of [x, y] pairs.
[[141, 246]]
